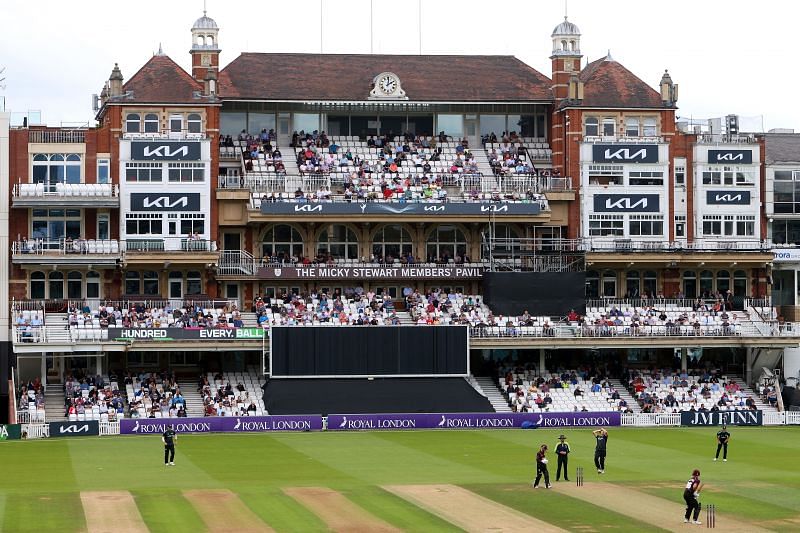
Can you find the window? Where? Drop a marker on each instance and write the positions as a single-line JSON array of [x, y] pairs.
[[728, 176], [282, 241], [186, 172], [723, 281], [786, 232], [592, 284], [646, 225], [51, 169], [445, 243], [176, 123], [195, 123], [194, 284], [650, 283], [649, 129], [132, 123], [141, 283], [143, 223], [680, 172], [718, 225], [339, 241], [632, 284], [37, 285], [645, 178], [507, 240], [151, 123], [306, 122], [55, 285], [591, 127], [103, 226], [391, 241], [74, 285], [745, 225], [609, 127], [452, 125], [632, 127], [103, 171], [193, 223], [56, 224], [92, 284], [680, 225], [145, 172], [706, 282], [606, 226], [605, 174]]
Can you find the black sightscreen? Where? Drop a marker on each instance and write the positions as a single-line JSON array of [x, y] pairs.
[[369, 351], [539, 293]]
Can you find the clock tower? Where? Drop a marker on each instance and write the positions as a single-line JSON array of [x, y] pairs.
[[566, 58], [205, 47]]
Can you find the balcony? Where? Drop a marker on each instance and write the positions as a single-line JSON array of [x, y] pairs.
[[57, 136], [166, 134], [721, 138], [170, 244], [93, 252], [698, 246], [622, 139], [26, 195]]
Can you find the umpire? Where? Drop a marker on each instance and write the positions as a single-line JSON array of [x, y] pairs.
[[168, 438], [562, 451]]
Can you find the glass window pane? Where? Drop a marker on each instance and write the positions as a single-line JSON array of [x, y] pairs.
[[262, 121], [493, 124], [452, 125], [233, 123], [307, 122]]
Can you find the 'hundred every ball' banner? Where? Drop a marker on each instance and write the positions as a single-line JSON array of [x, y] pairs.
[[222, 424], [173, 334], [470, 420]]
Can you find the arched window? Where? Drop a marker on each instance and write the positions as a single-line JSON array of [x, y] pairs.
[[690, 284], [74, 285], [592, 284], [194, 122], [282, 241], [132, 123], [339, 241], [133, 285], [591, 126], [150, 283], [609, 284], [632, 127], [649, 129], [56, 285], [201, 40], [609, 127], [194, 283], [92, 284], [391, 241], [723, 281], [564, 45], [572, 45], [151, 123], [210, 40], [650, 284], [37, 286], [56, 168], [445, 244], [176, 284], [632, 284], [706, 283]]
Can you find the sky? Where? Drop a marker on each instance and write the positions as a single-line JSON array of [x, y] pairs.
[[722, 53]]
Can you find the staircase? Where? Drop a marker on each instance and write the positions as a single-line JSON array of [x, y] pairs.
[[487, 387], [625, 395], [482, 158], [405, 318], [747, 391], [57, 329], [194, 402], [54, 402], [249, 319]]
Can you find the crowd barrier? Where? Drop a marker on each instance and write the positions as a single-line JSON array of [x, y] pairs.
[[409, 421]]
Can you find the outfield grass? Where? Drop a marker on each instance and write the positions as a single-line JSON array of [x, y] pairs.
[[41, 482]]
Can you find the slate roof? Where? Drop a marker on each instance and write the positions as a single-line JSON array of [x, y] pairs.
[[428, 78], [608, 84], [161, 80], [782, 148]]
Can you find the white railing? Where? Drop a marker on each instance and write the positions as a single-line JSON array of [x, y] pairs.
[[651, 419], [594, 139], [93, 191], [165, 134], [236, 262], [792, 417], [66, 247], [57, 136], [109, 428], [702, 245], [35, 431], [31, 417], [168, 244], [773, 418]]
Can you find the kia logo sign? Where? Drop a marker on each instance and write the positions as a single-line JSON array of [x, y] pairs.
[[165, 151], [625, 153], [626, 203], [740, 157], [728, 197], [74, 429], [165, 201]]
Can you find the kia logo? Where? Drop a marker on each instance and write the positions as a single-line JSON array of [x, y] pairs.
[[728, 197], [626, 203], [625, 154], [163, 151], [74, 429], [730, 157], [164, 202]]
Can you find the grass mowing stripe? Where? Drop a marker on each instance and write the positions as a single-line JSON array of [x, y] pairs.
[[2, 508], [731, 504], [549, 506], [26, 464], [397, 511], [167, 510], [36, 512], [280, 511]]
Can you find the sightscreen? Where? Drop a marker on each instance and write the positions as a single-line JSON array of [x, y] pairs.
[[360, 351], [539, 293]]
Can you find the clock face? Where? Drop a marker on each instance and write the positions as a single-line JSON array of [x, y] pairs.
[[387, 84]]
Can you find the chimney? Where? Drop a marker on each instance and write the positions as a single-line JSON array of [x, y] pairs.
[[669, 90], [115, 87]]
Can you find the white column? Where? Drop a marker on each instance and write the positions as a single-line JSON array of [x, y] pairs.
[[99, 364], [5, 205], [541, 361]]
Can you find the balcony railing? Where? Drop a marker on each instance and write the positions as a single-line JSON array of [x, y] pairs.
[[65, 190], [169, 245], [722, 138], [165, 134], [57, 136], [622, 139], [66, 247], [701, 245]]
